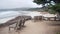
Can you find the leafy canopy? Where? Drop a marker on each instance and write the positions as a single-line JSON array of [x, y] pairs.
[[55, 8], [45, 1]]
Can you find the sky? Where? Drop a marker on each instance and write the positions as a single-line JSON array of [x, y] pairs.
[[4, 4]]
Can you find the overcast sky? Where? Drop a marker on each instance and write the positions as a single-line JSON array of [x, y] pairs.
[[16, 4]]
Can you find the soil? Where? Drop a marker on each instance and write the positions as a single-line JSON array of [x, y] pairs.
[[31, 27]]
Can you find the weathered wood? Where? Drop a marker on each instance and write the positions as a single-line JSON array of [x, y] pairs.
[[38, 18], [51, 18], [17, 20], [20, 21]]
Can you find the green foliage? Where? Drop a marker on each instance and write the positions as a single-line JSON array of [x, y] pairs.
[[45, 1], [52, 12], [56, 1], [56, 8], [39, 1]]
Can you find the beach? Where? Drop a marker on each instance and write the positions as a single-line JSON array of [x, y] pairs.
[[8, 15], [5, 15], [31, 27]]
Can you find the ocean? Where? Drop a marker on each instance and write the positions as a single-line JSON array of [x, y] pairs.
[[7, 15]]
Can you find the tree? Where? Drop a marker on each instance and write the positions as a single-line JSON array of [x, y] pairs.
[[55, 8], [43, 2], [56, 1]]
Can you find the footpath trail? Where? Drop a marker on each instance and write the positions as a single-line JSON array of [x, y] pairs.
[[31, 27]]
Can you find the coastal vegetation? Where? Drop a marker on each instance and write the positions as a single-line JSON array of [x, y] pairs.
[[51, 6], [54, 5]]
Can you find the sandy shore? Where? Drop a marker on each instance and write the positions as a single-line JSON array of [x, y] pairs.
[[31, 27]]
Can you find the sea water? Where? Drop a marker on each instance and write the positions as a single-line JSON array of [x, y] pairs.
[[7, 15]]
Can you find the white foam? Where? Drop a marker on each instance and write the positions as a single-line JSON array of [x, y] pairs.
[[5, 20]]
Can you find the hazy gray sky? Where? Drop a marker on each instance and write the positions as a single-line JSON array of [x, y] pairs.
[[17, 3]]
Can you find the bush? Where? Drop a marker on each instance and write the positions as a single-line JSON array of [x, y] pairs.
[[55, 8]]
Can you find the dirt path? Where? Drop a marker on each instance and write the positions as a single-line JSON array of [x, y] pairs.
[[31, 27]]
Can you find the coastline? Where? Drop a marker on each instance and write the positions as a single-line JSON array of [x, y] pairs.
[[24, 13]]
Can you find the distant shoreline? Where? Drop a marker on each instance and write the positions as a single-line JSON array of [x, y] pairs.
[[21, 9]]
